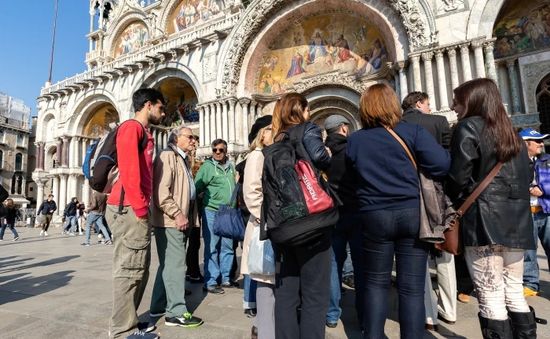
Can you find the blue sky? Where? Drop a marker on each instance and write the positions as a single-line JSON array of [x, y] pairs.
[[25, 38]]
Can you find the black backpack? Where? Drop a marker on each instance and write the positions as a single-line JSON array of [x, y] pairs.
[[285, 216]]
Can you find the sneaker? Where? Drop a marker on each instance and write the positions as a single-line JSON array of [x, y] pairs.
[[100, 236], [194, 279], [146, 327], [529, 292], [463, 298], [348, 281], [156, 315], [41, 232], [80, 233], [1, 239], [250, 312], [16, 238], [186, 320], [63, 232], [108, 242], [141, 334], [72, 234], [45, 233], [230, 284], [85, 244], [331, 324], [213, 289]]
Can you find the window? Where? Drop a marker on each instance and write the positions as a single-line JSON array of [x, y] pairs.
[[20, 139], [1, 159], [19, 162], [2, 135]]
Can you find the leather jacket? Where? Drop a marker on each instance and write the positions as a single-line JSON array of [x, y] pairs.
[[313, 143], [501, 213]]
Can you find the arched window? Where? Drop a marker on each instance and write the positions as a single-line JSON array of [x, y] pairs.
[[19, 162]]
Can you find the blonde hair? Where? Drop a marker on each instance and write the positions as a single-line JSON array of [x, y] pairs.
[[258, 141], [379, 107]]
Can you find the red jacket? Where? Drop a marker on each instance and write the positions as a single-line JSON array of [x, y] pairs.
[[135, 168]]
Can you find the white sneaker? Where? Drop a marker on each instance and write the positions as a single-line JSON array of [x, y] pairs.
[[80, 233], [45, 233], [16, 238], [100, 236], [72, 234], [41, 232]]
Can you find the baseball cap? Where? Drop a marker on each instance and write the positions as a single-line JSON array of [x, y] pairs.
[[531, 134], [334, 121]]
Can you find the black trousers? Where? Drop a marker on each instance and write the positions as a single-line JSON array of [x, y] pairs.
[[192, 257], [303, 281]]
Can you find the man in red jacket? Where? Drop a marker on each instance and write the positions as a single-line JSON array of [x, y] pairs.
[[129, 222]]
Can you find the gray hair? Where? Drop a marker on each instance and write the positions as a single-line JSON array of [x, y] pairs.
[[175, 133]]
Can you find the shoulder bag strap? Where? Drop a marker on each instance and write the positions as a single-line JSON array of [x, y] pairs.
[[402, 143]]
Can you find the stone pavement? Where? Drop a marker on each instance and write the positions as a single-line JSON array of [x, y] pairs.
[[55, 288]]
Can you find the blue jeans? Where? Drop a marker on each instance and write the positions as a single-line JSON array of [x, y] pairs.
[[71, 221], [97, 220], [218, 252], [12, 229], [387, 233], [346, 232], [541, 231], [249, 292]]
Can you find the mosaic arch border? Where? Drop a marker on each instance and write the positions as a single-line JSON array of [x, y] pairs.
[[259, 17], [87, 104], [114, 32]]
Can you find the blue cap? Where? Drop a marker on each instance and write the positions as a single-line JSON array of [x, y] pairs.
[[531, 134]]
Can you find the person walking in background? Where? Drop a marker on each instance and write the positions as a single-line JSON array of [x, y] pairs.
[[46, 209], [261, 285], [193, 274], [539, 192], [387, 190], [303, 279], [346, 232], [416, 110], [498, 227], [12, 213], [70, 217], [173, 215], [126, 214], [96, 211], [216, 179]]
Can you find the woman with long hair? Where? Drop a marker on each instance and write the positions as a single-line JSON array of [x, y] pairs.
[[498, 227], [387, 189], [303, 279]]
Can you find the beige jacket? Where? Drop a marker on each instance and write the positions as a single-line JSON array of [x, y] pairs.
[[253, 197], [171, 191]]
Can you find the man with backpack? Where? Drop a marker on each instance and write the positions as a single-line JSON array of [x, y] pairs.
[[127, 209]]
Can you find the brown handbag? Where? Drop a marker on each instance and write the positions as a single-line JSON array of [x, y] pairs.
[[453, 238]]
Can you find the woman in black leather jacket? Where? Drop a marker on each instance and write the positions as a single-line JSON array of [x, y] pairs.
[[304, 274], [498, 227]]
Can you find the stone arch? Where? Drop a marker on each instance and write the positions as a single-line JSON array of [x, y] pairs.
[[482, 18], [50, 160], [534, 75], [169, 8], [171, 70], [326, 100], [46, 120], [262, 16], [114, 32], [86, 107]]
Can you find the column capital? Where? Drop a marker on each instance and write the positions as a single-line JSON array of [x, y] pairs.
[[489, 46], [510, 63], [245, 101], [414, 57], [400, 65], [427, 56], [478, 43], [451, 51], [439, 53], [464, 48]]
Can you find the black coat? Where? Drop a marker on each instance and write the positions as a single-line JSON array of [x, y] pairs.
[[340, 178], [501, 213], [437, 125]]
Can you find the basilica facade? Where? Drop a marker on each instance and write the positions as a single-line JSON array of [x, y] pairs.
[[222, 63]]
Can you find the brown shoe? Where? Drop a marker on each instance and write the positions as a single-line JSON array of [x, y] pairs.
[[431, 327], [254, 333], [463, 298]]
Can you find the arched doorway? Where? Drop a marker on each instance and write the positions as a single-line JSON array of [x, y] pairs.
[[543, 106]]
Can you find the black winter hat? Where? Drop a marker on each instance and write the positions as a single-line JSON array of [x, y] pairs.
[[260, 123]]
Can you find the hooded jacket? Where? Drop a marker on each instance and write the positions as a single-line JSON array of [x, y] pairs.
[[216, 182]]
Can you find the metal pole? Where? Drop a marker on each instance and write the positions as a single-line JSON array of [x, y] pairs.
[[53, 41]]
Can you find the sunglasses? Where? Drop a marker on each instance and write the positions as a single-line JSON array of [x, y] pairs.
[[218, 150], [189, 136]]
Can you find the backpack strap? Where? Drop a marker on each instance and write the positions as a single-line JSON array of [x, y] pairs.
[[296, 135]]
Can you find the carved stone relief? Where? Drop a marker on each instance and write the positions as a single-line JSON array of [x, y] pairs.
[[414, 24], [531, 75], [209, 67], [445, 7]]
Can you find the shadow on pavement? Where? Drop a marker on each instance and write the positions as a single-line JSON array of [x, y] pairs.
[[48, 262], [26, 287]]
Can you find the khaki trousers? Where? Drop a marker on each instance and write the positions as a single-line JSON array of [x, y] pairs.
[[131, 259]]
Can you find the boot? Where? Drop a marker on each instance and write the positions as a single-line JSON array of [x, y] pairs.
[[524, 325], [495, 329]]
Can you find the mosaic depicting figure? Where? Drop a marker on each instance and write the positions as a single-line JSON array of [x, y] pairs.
[[523, 27], [192, 12], [319, 44], [131, 39]]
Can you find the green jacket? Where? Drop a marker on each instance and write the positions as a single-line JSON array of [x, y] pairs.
[[216, 183]]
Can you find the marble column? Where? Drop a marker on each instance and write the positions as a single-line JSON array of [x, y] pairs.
[[219, 125], [59, 152], [238, 137], [251, 118], [514, 85], [39, 192], [211, 130], [62, 193], [488, 48], [71, 186], [428, 74], [65, 160], [225, 120], [232, 117], [465, 59], [479, 62], [403, 86], [202, 121], [451, 52], [245, 126], [441, 81], [84, 147], [86, 192], [41, 155], [417, 78]]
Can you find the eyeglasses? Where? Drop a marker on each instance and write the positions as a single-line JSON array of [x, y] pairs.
[[218, 150], [189, 136]]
